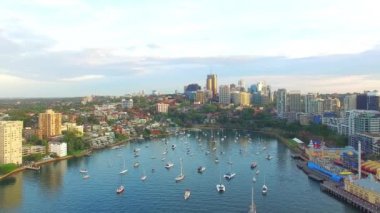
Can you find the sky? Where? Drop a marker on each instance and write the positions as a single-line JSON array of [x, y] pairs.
[[70, 48]]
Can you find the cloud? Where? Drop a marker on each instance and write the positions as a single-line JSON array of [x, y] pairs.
[[83, 78], [153, 46]]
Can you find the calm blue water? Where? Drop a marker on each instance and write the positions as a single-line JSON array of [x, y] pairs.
[[59, 187]]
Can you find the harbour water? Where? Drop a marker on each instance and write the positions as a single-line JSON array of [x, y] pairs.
[[60, 187]]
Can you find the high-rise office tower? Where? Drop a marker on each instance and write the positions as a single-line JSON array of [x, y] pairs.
[[11, 142], [49, 124], [212, 84]]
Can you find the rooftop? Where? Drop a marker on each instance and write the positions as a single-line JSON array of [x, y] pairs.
[[369, 183]]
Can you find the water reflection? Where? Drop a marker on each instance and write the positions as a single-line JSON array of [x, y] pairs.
[[52, 176], [11, 192]]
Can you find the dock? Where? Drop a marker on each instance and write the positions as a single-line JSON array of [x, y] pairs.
[[337, 191], [312, 174]]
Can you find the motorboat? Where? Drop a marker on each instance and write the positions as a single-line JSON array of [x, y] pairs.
[[201, 169], [186, 194], [253, 165], [229, 175], [169, 165], [120, 189]]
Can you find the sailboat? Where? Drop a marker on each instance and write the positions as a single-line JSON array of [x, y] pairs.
[[181, 176], [254, 179], [121, 188], [229, 175], [252, 207], [143, 177], [220, 187], [265, 188], [269, 157], [124, 170], [186, 194], [83, 171]]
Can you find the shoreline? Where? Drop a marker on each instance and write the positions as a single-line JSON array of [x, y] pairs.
[[88, 151], [82, 154]]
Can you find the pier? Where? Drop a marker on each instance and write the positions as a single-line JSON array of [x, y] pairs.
[[337, 191]]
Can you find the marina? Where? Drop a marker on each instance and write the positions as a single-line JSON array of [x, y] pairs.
[[60, 185]]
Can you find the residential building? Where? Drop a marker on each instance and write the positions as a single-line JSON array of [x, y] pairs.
[[59, 148], [68, 126], [49, 124], [360, 121], [332, 104], [368, 101], [200, 97], [212, 84], [162, 107], [281, 103], [370, 142], [349, 102], [294, 101], [35, 149], [317, 106], [127, 104], [11, 142], [308, 100], [224, 94], [235, 97]]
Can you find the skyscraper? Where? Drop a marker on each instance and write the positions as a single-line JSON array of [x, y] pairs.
[[49, 124], [212, 84], [281, 103], [224, 94], [11, 142]]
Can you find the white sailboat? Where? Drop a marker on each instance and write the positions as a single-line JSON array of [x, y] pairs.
[[229, 175], [265, 188], [181, 176], [124, 170], [252, 207], [220, 187], [143, 177]]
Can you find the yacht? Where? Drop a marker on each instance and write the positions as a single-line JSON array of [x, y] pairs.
[[173, 146], [120, 189], [201, 169], [169, 165], [220, 187], [181, 176], [265, 189], [86, 176], [269, 157], [187, 194], [253, 165], [83, 171], [136, 164], [229, 175]]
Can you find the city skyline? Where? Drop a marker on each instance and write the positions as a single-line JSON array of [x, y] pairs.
[[124, 47]]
